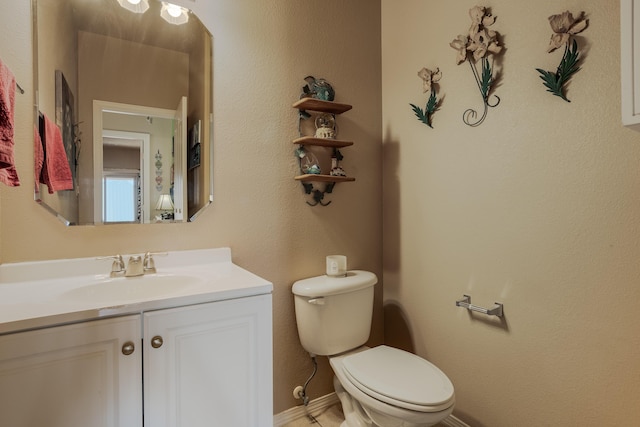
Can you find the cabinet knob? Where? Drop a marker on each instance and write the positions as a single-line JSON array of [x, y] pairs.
[[156, 342], [128, 348]]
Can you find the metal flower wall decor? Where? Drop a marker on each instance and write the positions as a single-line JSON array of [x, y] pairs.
[[564, 27], [478, 45], [429, 80]]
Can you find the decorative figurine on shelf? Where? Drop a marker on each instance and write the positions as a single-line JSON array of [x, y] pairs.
[[319, 89], [336, 169], [325, 126], [429, 80], [564, 27], [309, 163]]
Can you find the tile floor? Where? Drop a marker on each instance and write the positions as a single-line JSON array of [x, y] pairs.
[[329, 417]]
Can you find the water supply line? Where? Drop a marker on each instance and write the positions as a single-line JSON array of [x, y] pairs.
[[303, 393]]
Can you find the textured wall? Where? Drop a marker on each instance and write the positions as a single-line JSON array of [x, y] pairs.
[[262, 52], [537, 208]]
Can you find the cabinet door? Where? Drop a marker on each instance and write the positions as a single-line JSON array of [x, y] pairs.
[[213, 367], [630, 62], [72, 376]]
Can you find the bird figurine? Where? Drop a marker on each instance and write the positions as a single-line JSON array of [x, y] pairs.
[[318, 88]]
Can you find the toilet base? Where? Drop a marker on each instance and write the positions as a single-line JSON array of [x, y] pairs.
[[354, 414], [358, 415]]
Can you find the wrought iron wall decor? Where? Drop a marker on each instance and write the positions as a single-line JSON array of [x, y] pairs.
[[480, 43], [429, 80], [564, 27]]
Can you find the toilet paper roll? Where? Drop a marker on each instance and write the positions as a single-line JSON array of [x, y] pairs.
[[336, 265]]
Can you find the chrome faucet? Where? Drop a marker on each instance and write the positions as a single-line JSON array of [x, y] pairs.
[[136, 266]]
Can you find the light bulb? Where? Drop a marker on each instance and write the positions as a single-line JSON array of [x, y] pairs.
[[174, 14], [136, 6], [174, 10]]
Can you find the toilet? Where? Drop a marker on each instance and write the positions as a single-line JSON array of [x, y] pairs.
[[380, 386]]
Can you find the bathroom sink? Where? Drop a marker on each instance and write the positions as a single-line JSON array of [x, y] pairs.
[[124, 289]]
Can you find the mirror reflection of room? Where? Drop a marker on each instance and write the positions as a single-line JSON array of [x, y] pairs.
[[146, 58], [137, 167]]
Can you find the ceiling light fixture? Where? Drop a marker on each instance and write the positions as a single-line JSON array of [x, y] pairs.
[[136, 6], [174, 14]]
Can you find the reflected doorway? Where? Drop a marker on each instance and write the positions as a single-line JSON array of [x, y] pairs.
[[138, 141], [126, 172]]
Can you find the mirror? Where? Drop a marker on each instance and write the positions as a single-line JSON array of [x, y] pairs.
[[123, 112]]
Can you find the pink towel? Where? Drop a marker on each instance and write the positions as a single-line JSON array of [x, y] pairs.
[[8, 173], [38, 158], [56, 172]]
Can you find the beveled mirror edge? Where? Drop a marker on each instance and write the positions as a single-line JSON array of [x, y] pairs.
[[210, 140]]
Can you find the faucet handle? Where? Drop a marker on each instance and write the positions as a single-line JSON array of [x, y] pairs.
[[148, 264], [118, 263]]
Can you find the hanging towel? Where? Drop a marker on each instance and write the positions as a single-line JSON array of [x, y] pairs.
[[8, 173], [38, 158], [56, 172]]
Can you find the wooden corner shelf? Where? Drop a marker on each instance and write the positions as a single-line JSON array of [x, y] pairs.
[[310, 181], [314, 104], [323, 178], [322, 142]]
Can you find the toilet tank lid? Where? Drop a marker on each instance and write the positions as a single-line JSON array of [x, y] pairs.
[[321, 286]]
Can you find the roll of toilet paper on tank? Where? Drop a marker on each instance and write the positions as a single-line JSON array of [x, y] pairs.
[[336, 265]]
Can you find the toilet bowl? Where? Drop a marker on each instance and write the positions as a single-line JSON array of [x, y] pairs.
[[390, 387], [380, 386]]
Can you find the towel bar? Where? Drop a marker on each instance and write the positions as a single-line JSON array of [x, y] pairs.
[[466, 303]]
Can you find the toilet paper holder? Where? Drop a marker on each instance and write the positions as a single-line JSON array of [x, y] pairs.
[[465, 302]]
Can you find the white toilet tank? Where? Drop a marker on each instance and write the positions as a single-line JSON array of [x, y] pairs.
[[334, 314]]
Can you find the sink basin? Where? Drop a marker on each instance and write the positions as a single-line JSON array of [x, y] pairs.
[[124, 289]]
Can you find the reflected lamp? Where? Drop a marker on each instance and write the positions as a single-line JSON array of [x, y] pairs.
[[165, 205]]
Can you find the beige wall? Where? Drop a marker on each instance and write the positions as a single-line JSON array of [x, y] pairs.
[[262, 52], [537, 208]]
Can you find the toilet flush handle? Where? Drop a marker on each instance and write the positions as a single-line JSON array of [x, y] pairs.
[[316, 301]]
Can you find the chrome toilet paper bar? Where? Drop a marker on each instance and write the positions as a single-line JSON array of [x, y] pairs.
[[466, 303]]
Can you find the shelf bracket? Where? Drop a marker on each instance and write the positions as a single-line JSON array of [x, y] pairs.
[[318, 195]]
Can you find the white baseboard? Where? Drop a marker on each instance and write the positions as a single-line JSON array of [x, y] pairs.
[[315, 406], [320, 404]]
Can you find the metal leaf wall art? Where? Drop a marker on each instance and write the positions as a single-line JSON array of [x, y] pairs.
[[479, 45]]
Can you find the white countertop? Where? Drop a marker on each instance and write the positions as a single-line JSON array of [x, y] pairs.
[[46, 293]]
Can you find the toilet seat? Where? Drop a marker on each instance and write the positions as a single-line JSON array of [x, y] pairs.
[[399, 378]]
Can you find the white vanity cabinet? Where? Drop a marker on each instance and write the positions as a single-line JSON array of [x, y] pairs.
[[630, 62], [203, 365], [73, 376], [187, 346], [209, 365]]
